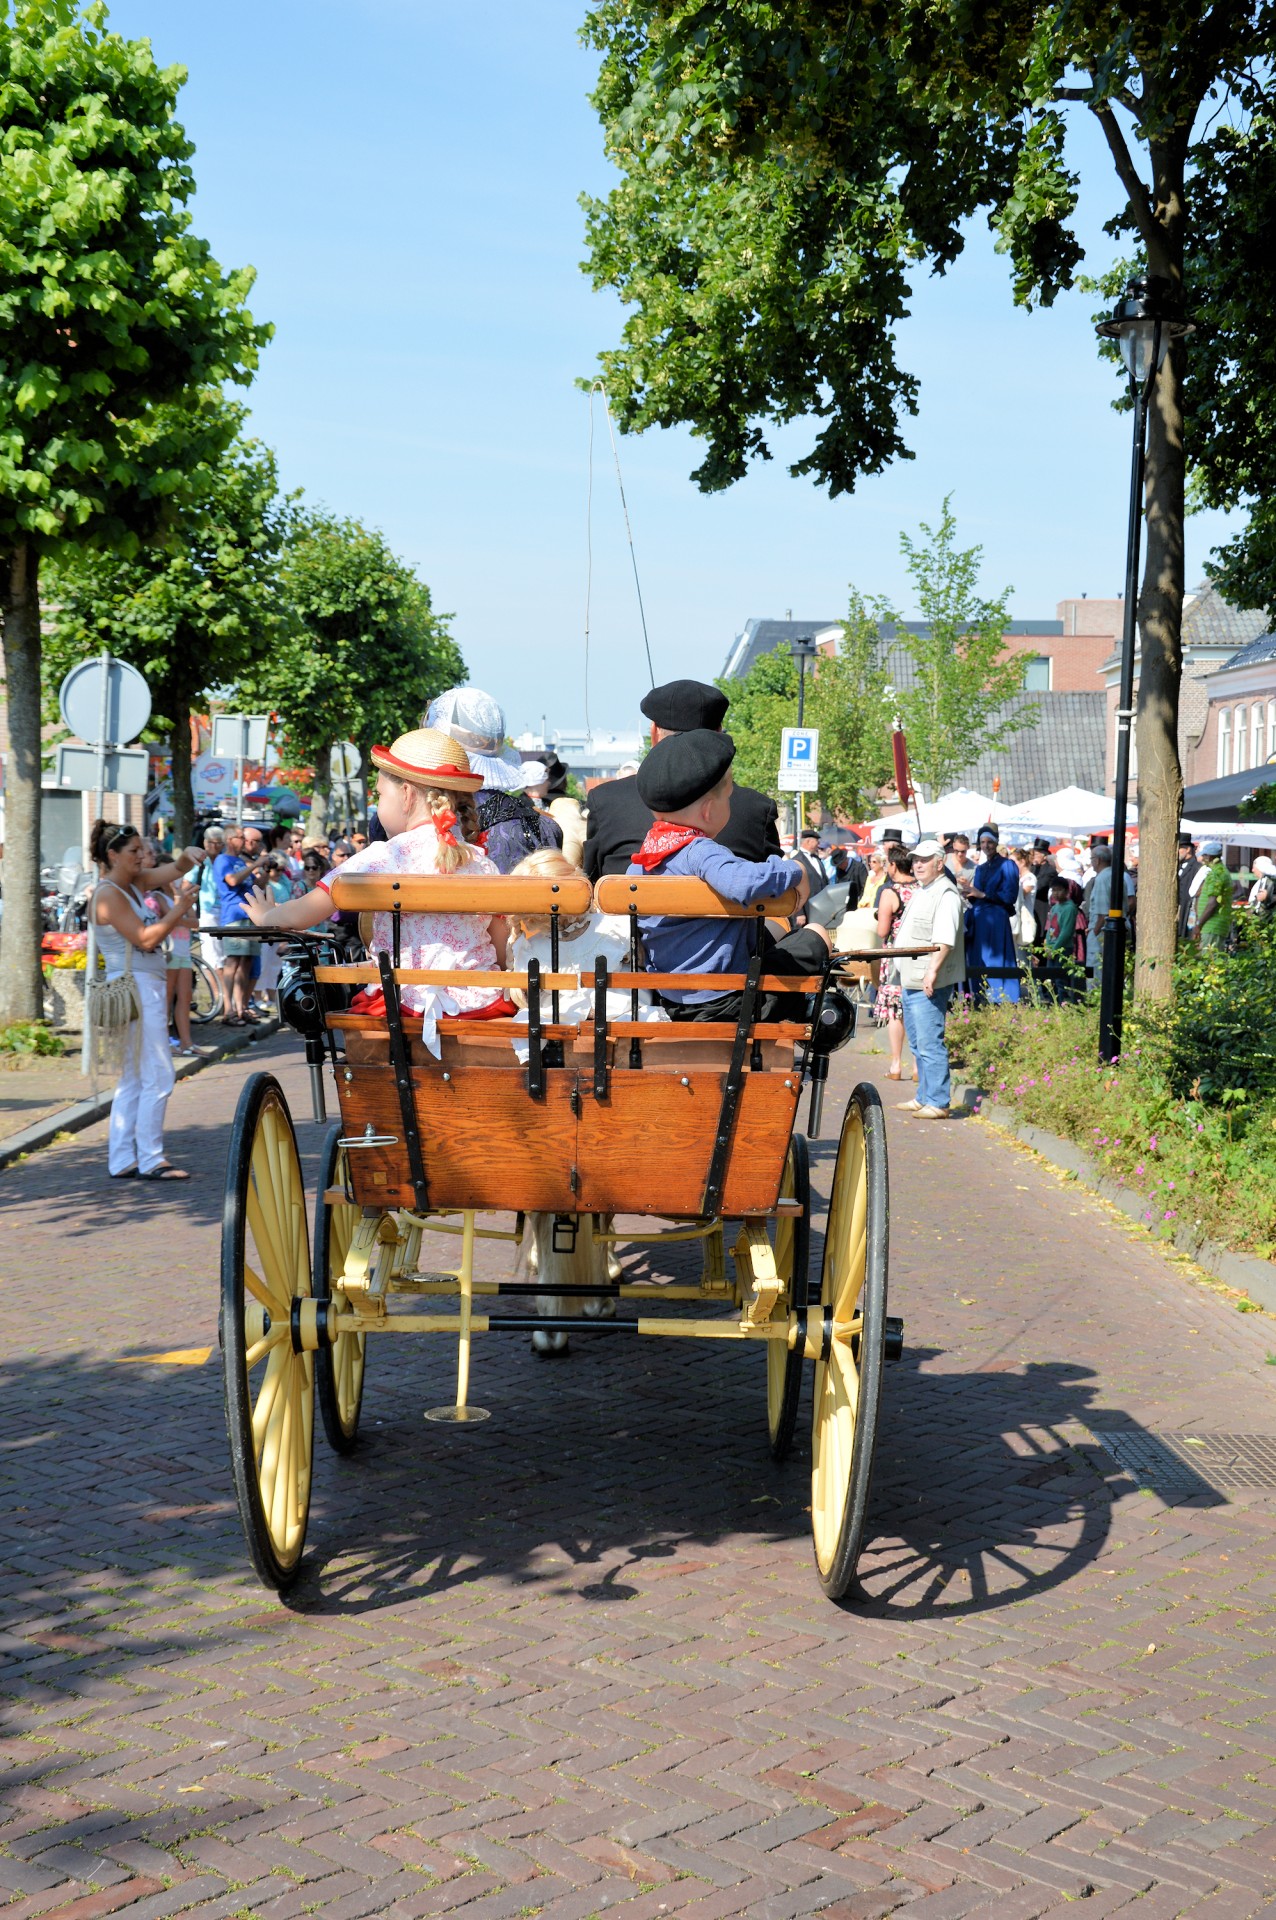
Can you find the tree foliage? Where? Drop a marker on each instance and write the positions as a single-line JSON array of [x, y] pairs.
[[109, 306], [365, 654], [953, 712], [787, 169], [192, 611], [846, 698]]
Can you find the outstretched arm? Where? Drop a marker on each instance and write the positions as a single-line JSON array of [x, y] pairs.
[[289, 915]]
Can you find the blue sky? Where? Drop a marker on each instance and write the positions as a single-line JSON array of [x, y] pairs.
[[404, 177]]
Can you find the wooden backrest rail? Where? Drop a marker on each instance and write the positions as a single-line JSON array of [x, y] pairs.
[[683, 898], [569, 982], [490, 893]]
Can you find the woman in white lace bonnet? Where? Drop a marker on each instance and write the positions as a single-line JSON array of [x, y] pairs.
[[510, 825]]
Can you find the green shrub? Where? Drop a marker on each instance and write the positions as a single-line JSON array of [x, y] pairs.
[[29, 1036], [1201, 1154]]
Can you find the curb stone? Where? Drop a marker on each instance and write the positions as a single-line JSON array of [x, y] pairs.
[[84, 1113], [1255, 1277]]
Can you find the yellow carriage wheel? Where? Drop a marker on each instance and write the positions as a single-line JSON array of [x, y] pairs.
[[339, 1369], [269, 1384], [792, 1261], [848, 1376]]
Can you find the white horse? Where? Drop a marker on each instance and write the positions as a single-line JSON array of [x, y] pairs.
[[581, 1259]]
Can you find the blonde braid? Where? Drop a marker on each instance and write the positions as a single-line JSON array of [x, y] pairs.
[[454, 852]]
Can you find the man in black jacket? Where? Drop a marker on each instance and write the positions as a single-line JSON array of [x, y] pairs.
[[618, 820], [1189, 867]]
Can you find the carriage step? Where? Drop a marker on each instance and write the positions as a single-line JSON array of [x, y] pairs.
[[894, 1344]]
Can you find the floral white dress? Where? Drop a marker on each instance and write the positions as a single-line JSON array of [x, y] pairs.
[[429, 940]]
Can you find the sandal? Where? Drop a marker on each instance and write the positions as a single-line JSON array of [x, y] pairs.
[[165, 1171], [233, 1020], [129, 1173]]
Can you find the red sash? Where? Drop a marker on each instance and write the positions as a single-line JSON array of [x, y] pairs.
[[665, 838]]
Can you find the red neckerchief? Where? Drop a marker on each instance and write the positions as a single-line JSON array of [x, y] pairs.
[[664, 838]]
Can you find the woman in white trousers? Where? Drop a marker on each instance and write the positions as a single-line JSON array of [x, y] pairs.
[[130, 938]]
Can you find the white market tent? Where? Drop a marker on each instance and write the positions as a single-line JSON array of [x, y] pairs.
[[1239, 833], [1069, 812], [961, 811]]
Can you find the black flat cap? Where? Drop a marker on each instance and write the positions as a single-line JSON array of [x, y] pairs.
[[682, 769], [685, 705]]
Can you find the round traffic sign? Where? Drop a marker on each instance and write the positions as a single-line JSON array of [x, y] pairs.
[[345, 760], [128, 702]]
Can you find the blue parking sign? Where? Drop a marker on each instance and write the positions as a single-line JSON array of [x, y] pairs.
[[799, 760]]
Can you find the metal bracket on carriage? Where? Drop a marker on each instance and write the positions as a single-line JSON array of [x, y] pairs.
[[755, 1266], [369, 1259]]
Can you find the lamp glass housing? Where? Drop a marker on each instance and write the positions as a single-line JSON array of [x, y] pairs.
[[1138, 342]]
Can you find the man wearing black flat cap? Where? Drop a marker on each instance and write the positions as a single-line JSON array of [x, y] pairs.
[[686, 782], [618, 816], [1047, 873]]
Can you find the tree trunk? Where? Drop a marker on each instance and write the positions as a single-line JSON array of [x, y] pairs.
[[21, 986], [319, 795], [1160, 776], [179, 741]]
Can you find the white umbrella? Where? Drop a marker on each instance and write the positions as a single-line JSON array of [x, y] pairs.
[[1071, 811]]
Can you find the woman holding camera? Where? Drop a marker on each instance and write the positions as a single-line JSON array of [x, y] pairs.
[[130, 939]]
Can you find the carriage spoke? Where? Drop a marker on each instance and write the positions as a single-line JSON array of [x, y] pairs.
[[272, 1383], [262, 1293]]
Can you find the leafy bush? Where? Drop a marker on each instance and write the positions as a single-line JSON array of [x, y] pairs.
[[1202, 1156], [29, 1036], [1213, 1038]]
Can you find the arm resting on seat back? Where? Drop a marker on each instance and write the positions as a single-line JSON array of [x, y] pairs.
[[683, 898]]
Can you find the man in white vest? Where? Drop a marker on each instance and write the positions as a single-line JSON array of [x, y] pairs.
[[934, 917]]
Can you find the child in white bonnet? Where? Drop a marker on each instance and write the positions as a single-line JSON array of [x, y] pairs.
[[582, 939]]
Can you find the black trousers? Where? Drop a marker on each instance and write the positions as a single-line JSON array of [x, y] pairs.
[[803, 952]]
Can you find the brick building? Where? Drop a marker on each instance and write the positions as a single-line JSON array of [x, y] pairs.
[[1213, 634], [1239, 729]]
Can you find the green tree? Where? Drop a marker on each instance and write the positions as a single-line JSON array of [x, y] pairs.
[[846, 698], [190, 611], [109, 305], [963, 672], [787, 169], [366, 653]]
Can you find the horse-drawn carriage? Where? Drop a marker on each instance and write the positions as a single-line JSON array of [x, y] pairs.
[[692, 1124]]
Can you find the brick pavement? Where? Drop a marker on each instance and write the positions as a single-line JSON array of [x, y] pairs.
[[574, 1660]]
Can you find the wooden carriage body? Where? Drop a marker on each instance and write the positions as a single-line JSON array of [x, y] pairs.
[[689, 1122], [624, 1116]]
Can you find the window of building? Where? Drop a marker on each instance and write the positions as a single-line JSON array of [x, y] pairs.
[[1271, 729], [1256, 719], [1240, 740], [1037, 677], [1222, 764]]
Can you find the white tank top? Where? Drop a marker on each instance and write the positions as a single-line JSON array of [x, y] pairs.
[[114, 948]]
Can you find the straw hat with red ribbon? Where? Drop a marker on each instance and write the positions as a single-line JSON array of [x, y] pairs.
[[428, 758]]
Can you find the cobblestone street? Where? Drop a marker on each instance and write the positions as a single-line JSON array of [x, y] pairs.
[[576, 1659]]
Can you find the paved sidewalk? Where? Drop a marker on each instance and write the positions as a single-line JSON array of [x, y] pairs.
[[41, 1094], [575, 1660]]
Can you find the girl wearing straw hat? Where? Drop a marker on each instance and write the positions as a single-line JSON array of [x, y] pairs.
[[425, 803]]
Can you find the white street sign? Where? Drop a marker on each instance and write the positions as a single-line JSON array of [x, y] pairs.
[[92, 770], [799, 760], [239, 736]]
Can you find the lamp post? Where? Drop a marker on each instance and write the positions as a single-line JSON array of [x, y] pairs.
[[1144, 323], [801, 651]]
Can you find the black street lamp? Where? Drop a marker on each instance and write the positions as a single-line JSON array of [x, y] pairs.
[[802, 650], [1144, 323]]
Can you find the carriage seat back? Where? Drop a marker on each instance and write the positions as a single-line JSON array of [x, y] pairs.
[[489, 893], [681, 897]]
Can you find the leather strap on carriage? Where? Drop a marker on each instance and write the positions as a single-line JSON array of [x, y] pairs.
[[732, 1091], [403, 1082]]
